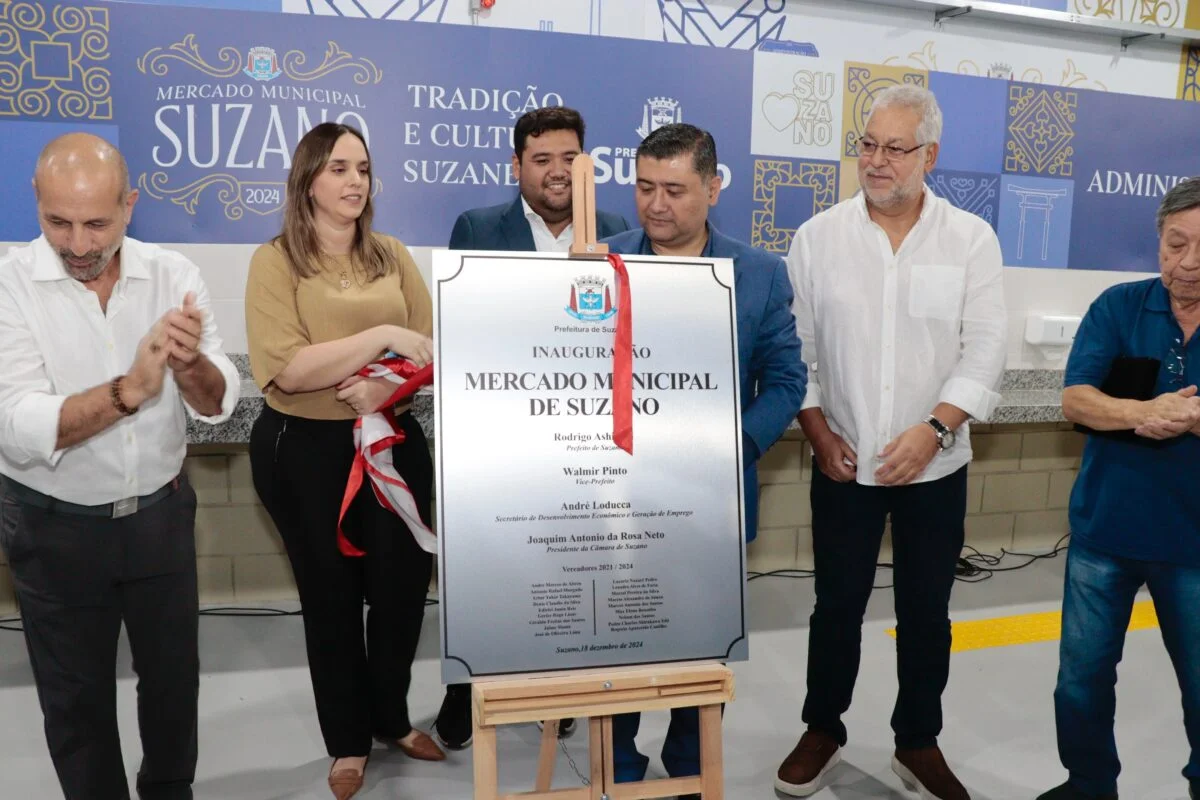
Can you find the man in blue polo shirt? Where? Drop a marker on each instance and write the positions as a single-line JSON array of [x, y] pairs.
[[677, 182], [1135, 508]]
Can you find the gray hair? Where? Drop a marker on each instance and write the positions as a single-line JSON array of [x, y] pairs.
[[917, 98], [1184, 196]]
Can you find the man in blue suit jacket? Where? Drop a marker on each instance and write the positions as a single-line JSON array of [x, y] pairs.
[[677, 183], [545, 142]]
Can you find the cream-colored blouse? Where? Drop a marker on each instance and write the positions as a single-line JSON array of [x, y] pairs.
[[285, 315]]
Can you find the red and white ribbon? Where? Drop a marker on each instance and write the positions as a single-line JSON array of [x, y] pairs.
[[374, 437], [375, 434]]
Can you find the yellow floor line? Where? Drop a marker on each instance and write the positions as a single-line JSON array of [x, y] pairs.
[[1045, 626]]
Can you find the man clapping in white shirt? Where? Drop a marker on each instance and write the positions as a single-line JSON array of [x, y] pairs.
[[106, 347]]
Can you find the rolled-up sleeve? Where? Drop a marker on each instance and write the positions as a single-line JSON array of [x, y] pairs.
[[29, 408], [973, 384], [231, 395], [802, 309]]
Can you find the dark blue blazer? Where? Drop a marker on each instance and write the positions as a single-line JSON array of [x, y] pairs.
[[773, 377], [504, 227]]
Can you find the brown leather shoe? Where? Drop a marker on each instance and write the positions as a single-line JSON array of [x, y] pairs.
[[422, 748], [345, 783], [801, 772], [924, 770]]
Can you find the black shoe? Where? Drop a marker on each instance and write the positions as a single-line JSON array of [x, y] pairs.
[[566, 727], [1069, 792], [453, 725]]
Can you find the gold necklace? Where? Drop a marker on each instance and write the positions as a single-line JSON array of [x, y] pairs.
[[345, 280]]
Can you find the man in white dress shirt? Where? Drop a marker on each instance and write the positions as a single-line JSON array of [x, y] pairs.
[[107, 346], [900, 308]]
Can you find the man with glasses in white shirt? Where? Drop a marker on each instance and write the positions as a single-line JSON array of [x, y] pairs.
[[899, 304], [107, 346]]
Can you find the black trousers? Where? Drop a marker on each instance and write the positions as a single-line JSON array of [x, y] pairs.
[[927, 539], [299, 467], [77, 579]]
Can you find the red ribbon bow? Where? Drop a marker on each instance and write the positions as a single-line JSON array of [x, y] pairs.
[[374, 437]]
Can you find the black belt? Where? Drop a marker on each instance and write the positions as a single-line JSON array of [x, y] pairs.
[[121, 508]]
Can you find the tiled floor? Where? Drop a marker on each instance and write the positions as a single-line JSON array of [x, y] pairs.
[[259, 735]]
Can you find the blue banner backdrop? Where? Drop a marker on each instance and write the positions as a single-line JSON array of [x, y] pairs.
[[209, 106], [1130, 151]]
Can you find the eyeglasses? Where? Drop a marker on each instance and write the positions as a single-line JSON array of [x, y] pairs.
[[867, 147], [1177, 362]]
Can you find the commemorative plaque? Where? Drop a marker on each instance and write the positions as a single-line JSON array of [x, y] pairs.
[[558, 549]]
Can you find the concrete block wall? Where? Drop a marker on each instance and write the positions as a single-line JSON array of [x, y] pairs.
[[239, 555], [1017, 493], [1018, 490]]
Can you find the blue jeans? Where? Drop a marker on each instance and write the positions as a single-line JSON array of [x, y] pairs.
[[680, 753], [1097, 603]]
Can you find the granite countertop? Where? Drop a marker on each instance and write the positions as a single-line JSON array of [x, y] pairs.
[[1029, 396]]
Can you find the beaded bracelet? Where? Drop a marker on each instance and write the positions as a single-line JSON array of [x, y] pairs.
[[114, 391]]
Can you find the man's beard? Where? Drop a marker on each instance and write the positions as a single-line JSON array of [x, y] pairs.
[[555, 207], [899, 194], [96, 262]]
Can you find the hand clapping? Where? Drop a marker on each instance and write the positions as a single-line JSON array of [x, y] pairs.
[[183, 327]]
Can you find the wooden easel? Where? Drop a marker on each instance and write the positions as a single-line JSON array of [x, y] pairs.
[[583, 209], [599, 694]]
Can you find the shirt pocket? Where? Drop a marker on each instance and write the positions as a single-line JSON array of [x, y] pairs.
[[935, 291]]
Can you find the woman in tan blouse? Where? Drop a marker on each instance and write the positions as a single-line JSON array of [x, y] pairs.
[[323, 299]]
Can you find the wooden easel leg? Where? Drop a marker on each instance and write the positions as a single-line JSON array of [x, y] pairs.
[[609, 773], [545, 773], [712, 771], [596, 753], [487, 779]]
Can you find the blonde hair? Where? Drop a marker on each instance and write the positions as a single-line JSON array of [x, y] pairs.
[[298, 239]]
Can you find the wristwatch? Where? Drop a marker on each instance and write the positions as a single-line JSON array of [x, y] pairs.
[[945, 436]]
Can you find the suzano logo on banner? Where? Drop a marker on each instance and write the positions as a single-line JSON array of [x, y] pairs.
[[659, 111], [264, 66], [619, 164], [226, 127]]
